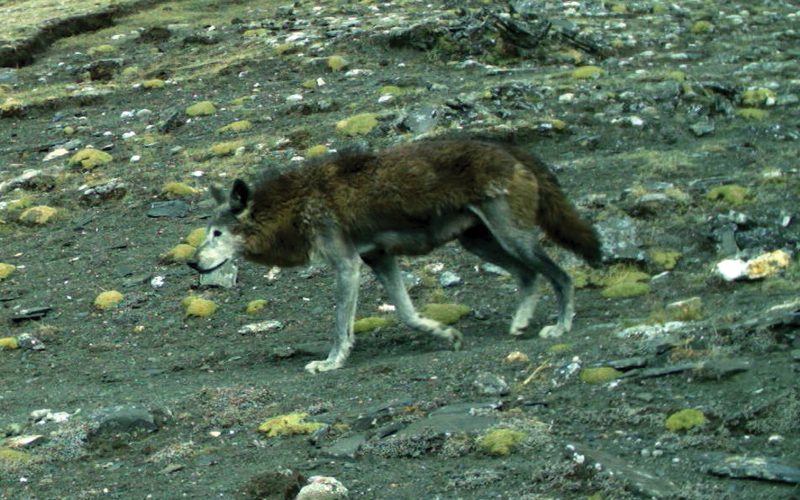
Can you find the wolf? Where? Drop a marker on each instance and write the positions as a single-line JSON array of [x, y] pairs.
[[371, 207]]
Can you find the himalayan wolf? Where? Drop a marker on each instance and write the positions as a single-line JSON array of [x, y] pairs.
[[349, 208]]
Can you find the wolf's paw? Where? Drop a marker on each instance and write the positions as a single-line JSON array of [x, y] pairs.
[[552, 331], [517, 330], [324, 365], [455, 337]]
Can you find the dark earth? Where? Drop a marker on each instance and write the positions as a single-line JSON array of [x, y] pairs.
[[672, 126]]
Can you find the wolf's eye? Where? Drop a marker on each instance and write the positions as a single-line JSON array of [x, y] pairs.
[[217, 233]]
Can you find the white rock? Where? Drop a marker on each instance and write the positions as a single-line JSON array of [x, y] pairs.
[[135, 159], [261, 326], [322, 488], [126, 115], [294, 98], [56, 153], [732, 269], [129, 134]]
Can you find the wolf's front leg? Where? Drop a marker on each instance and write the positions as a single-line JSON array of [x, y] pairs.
[[347, 268]]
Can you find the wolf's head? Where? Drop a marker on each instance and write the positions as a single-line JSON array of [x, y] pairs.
[[222, 243]]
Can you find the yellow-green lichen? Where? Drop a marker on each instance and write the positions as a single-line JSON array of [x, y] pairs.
[[289, 425], [198, 307], [500, 442], [357, 125], [619, 8], [337, 63], [226, 148], [445, 313], [370, 323], [255, 306], [238, 126], [623, 281], [179, 253], [758, 97], [701, 27], [12, 457], [665, 259], [8, 343], [586, 72], [102, 50], [391, 90], [6, 270], [559, 348], [196, 237], [202, 108], [254, 33], [599, 375], [625, 290], [685, 420], [89, 158], [285, 49], [108, 299], [685, 310], [752, 114], [732, 194], [315, 151], [38, 215], [178, 190], [153, 83], [68, 131]]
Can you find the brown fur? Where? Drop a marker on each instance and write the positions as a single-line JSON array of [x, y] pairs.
[[400, 189]]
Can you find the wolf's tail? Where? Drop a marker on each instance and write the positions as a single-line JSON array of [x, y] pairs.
[[558, 216]]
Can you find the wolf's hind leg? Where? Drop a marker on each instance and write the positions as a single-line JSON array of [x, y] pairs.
[[346, 264], [385, 268], [479, 241], [497, 216]]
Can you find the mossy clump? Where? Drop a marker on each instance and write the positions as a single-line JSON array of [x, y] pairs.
[[108, 299], [665, 259], [559, 348], [226, 148], [68, 131], [391, 90], [6, 270], [587, 72], [178, 190], [153, 83], [285, 49], [316, 151], [685, 420], [9, 343], [20, 204], [732, 194], [41, 214], [180, 253], [337, 63], [702, 27], [500, 442], [676, 75], [196, 237], [102, 50], [619, 8], [685, 310], [237, 126], [202, 108], [370, 323], [289, 425], [198, 307], [625, 290], [752, 114], [758, 97], [12, 106], [12, 457], [89, 158], [255, 33], [358, 124], [255, 306], [599, 375], [445, 313]]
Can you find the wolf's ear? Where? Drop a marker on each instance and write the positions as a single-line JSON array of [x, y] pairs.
[[240, 196], [218, 194]]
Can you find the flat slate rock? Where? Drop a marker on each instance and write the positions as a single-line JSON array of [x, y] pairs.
[[173, 208], [744, 467]]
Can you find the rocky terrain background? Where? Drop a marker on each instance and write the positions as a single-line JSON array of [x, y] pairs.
[[673, 127]]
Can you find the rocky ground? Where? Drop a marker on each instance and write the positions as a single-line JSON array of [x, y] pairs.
[[673, 127]]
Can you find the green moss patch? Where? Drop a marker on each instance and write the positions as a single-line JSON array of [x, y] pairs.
[[289, 425], [500, 442], [89, 158], [179, 253], [9, 456], [316, 151], [587, 72], [685, 420], [255, 33], [391, 90], [665, 259], [357, 125], [39, 215], [752, 114], [559, 348], [202, 108], [624, 282], [154, 83], [9, 343], [758, 97], [337, 63], [599, 375], [255, 306], [102, 50], [625, 290], [685, 310], [6, 270], [370, 323], [226, 148], [701, 27], [732, 194], [238, 126], [198, 307], [445, 313], [108, 299], [178, 190]]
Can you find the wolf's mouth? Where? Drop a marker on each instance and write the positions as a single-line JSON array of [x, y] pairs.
[[200, 270]]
